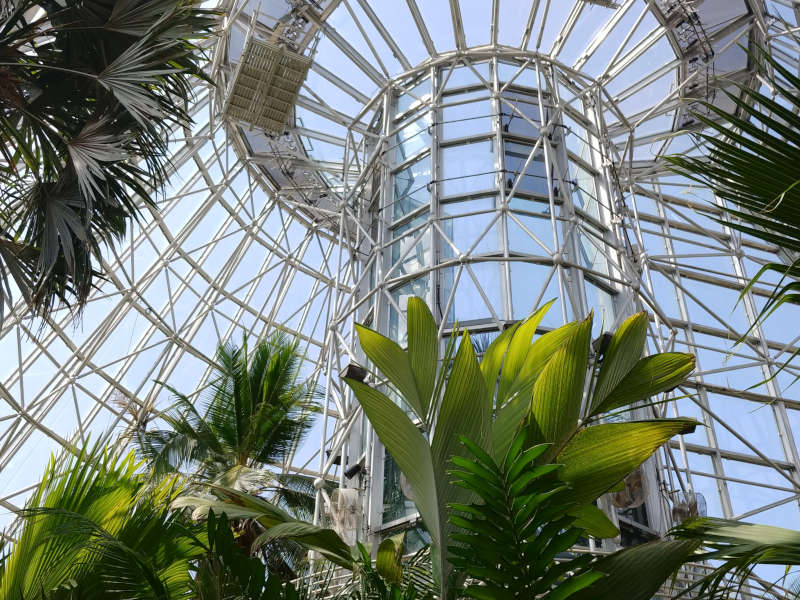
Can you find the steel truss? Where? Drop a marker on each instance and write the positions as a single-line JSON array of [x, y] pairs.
[[259, 231]]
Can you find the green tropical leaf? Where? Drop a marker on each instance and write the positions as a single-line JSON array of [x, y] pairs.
[[389, 560], [423, 351], [735, 548], [558, 391], [493, 357], [325, 541], [518, 351], [598, 457], [408, 447], [623, 352], [651, 375], [594, 521], [394, 363], [507, 545], [638, 573]]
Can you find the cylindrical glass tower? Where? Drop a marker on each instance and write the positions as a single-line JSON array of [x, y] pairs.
[[486, 185]]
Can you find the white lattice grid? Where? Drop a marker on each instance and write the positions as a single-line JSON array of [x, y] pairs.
[[220, 245]]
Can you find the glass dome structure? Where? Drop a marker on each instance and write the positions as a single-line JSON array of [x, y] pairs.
[[487, 156]]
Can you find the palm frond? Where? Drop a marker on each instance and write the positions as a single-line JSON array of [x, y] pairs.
[[95, 526], [737, 548], [89, 96], [751, 165]]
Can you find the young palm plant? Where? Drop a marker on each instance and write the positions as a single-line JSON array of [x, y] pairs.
[[95, 528], [539, 385], [90, 93], [256, 413]]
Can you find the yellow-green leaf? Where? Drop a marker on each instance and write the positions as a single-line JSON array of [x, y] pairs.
[[393, 362]]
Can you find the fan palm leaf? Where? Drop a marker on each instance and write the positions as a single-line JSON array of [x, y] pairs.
[[89, 95], [96, 528]]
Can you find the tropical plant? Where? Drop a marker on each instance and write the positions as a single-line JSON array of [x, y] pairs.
[[95, 528], [226, 572], [272, 523], [729, 550], [256, 413], [392, 576], [752, 165], [89, 95], [521, 523], [539, 384]]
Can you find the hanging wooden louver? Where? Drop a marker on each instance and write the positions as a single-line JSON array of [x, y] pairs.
[[265, 85]]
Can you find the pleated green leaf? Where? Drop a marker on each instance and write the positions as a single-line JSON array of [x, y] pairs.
[[594, 521], [638, 573], [408, 448], [388, 561], [423, 350], [558, 391], [393, 362], [466, 410], [518, 352], [493, 357], [598, 457], [650, 376], [506, 423], [624, 351], [538, 356], [325, 541]]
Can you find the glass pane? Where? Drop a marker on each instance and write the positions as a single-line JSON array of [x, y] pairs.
[[470, 118], [411, 187], [400, 295], [396, 504], [516, 113], [527, 282], [420, 91], [468, 304], [584, 194], [468, 168], [472, 234], [534, 180], [522, 228], [413, 138], [418, 257]]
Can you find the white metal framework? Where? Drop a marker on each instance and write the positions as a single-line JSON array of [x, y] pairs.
[[575, 102]]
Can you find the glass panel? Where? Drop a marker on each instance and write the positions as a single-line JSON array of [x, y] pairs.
[[420, 256], [527, 282], [413, 138], [397, 324], [584, 194], [468, 304], [527, 78], [602, 302], [468, 168], [463, 75], [420, 91], [534, 180], [520, 228], [470, 118], [411, 188], [396, 504], [471, 230], [515, 119]]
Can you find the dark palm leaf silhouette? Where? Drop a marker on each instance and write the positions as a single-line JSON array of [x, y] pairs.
[[89, 95]]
